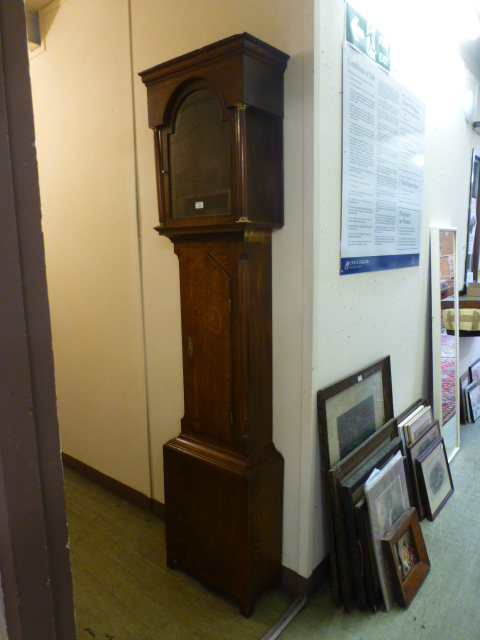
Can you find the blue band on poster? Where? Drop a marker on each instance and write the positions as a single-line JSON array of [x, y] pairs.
[[377, 263]]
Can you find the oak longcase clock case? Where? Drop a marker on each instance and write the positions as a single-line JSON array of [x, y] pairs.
[[217, 118]]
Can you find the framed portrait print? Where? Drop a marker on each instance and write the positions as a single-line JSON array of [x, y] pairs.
[[349, 412], [415, 450], [435, 478], [386, 493], [474, 400], [406, 557]]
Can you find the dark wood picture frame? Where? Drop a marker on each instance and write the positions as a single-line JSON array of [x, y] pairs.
[[338, 390], [341, 471], [464, 381], [472, 248], [413, 452], [474, 400], [372, 582], [435, 479], [405, 577], [474, 371], [352, 492]]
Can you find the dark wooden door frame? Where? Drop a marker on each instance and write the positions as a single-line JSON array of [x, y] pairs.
[[34, 557]]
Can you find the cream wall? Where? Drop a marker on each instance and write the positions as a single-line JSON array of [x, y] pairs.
[[84, 131], [361, 318]]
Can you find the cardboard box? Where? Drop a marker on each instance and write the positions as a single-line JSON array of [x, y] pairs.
[[473, 289], [446, 267], [446, 243]]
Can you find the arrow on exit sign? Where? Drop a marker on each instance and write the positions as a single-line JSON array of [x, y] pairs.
[[363, 35]]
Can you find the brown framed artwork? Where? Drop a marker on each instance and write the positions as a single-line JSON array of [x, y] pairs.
[[406, 556], [417, 425], [369, 564], [415, 450], [434, 477], [341, 471], [473, 394], [349, 412], [464, 382], [352, 491]]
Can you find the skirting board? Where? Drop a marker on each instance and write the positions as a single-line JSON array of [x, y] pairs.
[[306, 587], [291, 580], [118, 488]]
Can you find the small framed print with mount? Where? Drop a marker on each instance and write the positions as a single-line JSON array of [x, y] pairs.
[[435, 478]]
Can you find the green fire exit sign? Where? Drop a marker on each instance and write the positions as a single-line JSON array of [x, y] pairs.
[[363, 36]]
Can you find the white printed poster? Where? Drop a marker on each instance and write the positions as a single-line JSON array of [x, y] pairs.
[[382, 169]]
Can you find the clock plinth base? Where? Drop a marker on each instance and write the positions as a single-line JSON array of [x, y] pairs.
[[223, 517]]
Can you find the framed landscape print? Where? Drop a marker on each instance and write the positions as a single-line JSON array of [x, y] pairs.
[[434, 477], [406, 557], [349, 412]]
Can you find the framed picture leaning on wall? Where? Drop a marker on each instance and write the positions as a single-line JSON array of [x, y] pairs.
[[435, 478]]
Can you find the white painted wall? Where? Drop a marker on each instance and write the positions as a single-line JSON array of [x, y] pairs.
[[363, 317]]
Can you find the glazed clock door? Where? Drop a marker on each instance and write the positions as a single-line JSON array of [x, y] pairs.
[[207, 342]]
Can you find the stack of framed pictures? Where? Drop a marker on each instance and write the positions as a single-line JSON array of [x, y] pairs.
[[356, 426], [413, 422], [369, 467], [470, 393], [387, 496]]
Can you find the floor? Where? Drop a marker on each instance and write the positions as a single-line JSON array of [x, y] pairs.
[[123, 590]]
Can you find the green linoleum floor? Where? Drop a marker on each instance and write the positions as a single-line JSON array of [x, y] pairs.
[[123, 588], [124, 591]]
